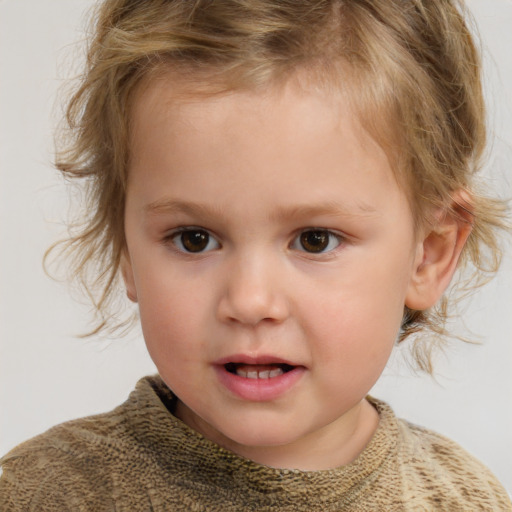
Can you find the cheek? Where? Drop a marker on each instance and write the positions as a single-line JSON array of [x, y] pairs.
[[167, 296], [355, 351], [365, 299], [359, 336], [357, 324], [170, 314]]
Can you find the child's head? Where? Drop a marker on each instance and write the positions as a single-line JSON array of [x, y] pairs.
[[408, 71]]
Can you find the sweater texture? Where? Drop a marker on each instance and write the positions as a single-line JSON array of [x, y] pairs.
[[140, 457]]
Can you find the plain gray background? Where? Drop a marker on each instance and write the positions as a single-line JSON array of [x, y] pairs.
[[47, 375]]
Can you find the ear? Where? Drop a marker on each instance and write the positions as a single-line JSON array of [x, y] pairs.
[[438, 253], [128, 277]]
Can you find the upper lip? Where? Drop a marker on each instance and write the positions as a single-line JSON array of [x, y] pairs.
[[262, 359]]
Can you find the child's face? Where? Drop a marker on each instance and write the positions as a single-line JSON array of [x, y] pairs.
[[270, 250]]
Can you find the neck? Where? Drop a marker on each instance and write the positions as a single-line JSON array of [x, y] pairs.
[[335, 445]]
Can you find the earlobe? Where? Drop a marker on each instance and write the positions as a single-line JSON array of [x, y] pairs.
[[437, 255], [128, 278]]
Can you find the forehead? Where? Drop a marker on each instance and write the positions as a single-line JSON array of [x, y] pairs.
[[291, 140], [181, 90], [166, 99]]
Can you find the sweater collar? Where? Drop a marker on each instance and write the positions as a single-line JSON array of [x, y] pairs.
[[204, 465]]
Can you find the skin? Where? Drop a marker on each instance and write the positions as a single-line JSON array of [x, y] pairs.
[[254, 170]]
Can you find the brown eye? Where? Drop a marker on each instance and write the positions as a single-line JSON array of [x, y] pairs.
[[195, 240], [316, 241]]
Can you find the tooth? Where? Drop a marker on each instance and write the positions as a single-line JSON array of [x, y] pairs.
[[275, 373], [259, 374], [241, 373]]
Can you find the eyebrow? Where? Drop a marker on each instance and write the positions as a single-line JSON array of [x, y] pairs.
[[328, 208], [162, 206]]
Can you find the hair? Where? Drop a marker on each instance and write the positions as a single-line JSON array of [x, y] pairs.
[[409, 67]]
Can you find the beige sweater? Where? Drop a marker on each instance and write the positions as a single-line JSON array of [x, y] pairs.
[[139, 457]]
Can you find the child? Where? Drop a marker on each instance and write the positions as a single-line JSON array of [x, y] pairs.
[[286, 188]]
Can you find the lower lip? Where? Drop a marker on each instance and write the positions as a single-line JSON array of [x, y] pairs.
[[259, 390]]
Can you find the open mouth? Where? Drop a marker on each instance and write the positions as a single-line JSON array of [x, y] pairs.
[[258, 378], [258, 371]]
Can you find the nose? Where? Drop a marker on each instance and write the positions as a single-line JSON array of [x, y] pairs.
[[253, 292]]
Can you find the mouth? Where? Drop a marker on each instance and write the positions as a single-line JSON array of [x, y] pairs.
[[259, 378], [258, 371]]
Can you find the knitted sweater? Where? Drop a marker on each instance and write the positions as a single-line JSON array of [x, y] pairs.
[[139, 457]]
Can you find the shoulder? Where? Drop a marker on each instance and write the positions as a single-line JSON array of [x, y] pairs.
[[69, 464], [451, 477], [54, 468], [77, 465]]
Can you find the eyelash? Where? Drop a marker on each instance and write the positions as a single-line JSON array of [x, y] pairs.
[[322, 235], [205, 240], [176, 238]]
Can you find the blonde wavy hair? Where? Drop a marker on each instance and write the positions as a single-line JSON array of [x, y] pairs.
[[410, 67]]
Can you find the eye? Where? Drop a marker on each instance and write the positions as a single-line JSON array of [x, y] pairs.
[[194, 240], [316, 241]]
